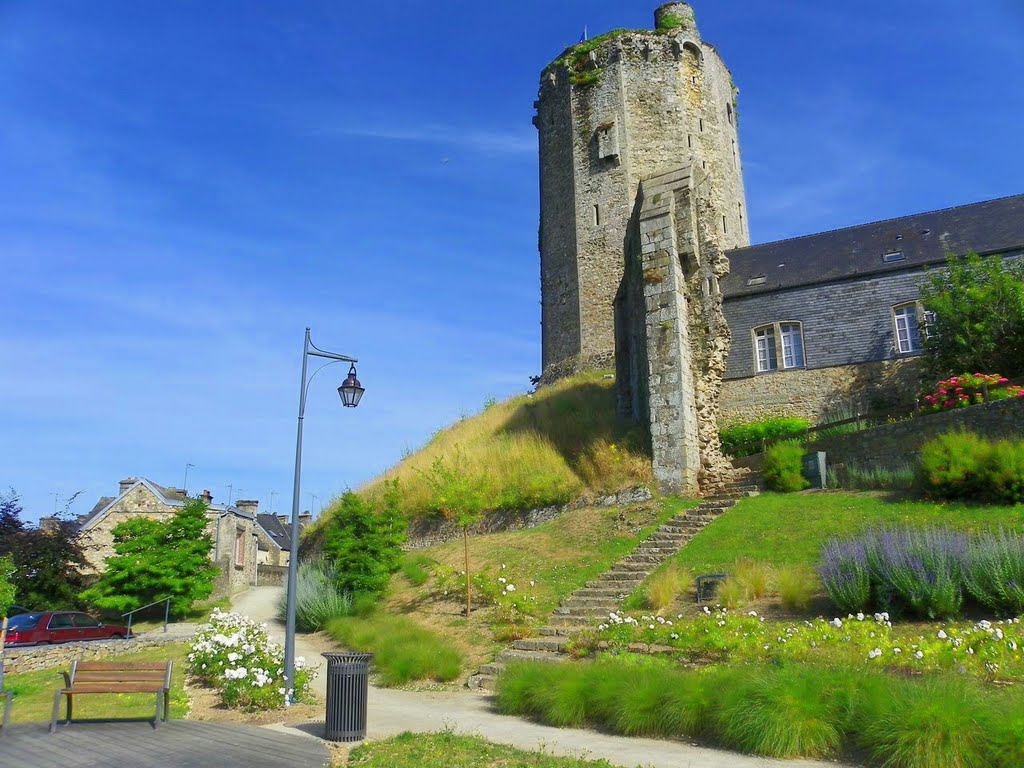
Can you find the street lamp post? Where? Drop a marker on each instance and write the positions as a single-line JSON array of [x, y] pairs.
[[350, 391]]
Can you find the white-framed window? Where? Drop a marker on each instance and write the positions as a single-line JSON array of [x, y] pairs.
[[792, 345], [908, 333], [764, 344], [779, 342]]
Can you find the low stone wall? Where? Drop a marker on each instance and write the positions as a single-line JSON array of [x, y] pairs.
[[425, 532], [33, 658], [272, 575], [818, 393], [894, 444]]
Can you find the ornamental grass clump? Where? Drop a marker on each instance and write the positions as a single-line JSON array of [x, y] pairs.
[[797, 586], [666, 585], [995, 573], [233, 655], [317, 597]]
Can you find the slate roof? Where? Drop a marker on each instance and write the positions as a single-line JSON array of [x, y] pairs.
[[993, 226], [170, 497], [278, 532]]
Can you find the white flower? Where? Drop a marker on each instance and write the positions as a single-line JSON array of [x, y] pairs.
[[860, 617], [502, 579], [875, 653], [233, 657], [919, 654], [897, 650], [836, 623], [532, 583], [511, 587], [942, 634]]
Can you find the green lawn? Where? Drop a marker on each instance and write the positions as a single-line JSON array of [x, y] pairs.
[[790, 529], [33, 692], [446, 750]]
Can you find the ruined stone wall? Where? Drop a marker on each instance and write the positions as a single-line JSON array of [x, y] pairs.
[[639, 103], [35, 658]]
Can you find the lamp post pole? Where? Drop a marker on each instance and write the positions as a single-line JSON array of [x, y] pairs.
[[351, 391]]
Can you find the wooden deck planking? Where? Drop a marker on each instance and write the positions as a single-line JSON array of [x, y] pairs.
[[181, 743]]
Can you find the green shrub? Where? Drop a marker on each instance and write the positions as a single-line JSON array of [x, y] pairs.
[[963, 465], [403, 651], [363, 541], [783, 467], [951, 465], [748, 437], [317, 598]]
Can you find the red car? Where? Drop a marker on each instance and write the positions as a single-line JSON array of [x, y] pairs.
[[58, 627]]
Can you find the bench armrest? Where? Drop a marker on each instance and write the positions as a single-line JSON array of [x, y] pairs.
[[67, 679]]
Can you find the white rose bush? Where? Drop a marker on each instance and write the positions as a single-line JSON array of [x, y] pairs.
[[234, 655]]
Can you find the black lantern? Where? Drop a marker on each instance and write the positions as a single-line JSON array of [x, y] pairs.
[[351, 390]]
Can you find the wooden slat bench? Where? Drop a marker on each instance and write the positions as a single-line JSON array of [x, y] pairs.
[[116, 677]]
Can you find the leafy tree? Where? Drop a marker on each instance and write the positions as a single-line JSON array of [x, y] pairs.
[[155, 559], [7, 588], [364, 543], [459, 496], [48, 560], [979, 317]]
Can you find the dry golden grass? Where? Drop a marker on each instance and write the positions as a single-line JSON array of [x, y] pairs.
[[796, 585], [561, 443], [753, 577], [667, 585]]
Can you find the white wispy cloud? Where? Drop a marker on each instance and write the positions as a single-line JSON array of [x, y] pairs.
[[483, 141]]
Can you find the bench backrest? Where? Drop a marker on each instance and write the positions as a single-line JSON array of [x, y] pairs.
[[113, 672]]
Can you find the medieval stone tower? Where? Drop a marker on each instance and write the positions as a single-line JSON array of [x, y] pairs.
[[641, 192]]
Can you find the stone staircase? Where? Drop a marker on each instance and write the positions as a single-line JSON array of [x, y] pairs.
[[605, 594]]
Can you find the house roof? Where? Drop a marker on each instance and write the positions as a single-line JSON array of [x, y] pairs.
[[169, 497], [993, 226], [278, 532]]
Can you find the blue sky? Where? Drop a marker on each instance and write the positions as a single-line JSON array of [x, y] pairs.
[[185, 186]]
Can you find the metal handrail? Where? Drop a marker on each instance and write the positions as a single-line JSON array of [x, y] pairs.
[[167, 612]]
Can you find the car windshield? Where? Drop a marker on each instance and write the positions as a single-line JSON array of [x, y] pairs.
[[23, 621]]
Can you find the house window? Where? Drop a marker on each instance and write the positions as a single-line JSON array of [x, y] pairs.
[[908, 334], [792, 345], [777, 341], [240, 549], [764, 342]]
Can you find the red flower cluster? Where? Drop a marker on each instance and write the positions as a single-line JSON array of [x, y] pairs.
[[968, 389]]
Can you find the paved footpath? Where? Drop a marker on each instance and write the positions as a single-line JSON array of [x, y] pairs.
[[392, 712]]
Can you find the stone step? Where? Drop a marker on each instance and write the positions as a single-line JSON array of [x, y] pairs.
[[625, 574], [589, 605], [591, 612], [549, 644], [491, 669], [649, 557], [629, 568], [609, 592], [575, 621], [556, 631], [481, 682], [626, 585], [545, 656]]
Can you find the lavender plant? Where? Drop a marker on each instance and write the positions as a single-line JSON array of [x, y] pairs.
[[995, 576], [917, 570], [845, 574]]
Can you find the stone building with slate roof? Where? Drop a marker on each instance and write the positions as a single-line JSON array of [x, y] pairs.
[[645, 258], [275, 537], [232, 529]]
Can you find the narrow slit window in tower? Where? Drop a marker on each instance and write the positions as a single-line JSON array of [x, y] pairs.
[[728, 112], [689, 140], [725, 229], [597, 215], [734, 153], [700, 122], [739, 208]]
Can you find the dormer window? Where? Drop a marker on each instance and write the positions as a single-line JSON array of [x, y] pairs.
[[757, 280], [893, 256]]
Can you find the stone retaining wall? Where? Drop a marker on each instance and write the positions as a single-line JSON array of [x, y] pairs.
[[893, 444], [426, 532], [34, 658], [271, 575]]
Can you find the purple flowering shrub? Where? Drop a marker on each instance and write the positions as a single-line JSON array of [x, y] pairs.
[[924, 572]]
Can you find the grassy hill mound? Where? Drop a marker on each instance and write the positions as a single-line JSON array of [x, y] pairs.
[[558, 444]]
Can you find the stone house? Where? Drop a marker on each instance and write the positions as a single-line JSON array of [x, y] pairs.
[[232, 529], [274, 533]]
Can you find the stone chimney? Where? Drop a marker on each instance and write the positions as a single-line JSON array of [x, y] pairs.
[[250, 506], [305, 519], [285, 518], [206, 496], [125, 484]]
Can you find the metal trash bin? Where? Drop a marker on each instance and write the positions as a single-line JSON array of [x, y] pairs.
[[348, 679]]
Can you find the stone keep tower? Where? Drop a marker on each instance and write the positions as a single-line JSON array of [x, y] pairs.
[[641, 192]]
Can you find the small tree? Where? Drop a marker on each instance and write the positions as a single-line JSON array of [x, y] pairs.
[[156, 559], [364, 541], [979, 317], [459, 496], [48, 560]]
